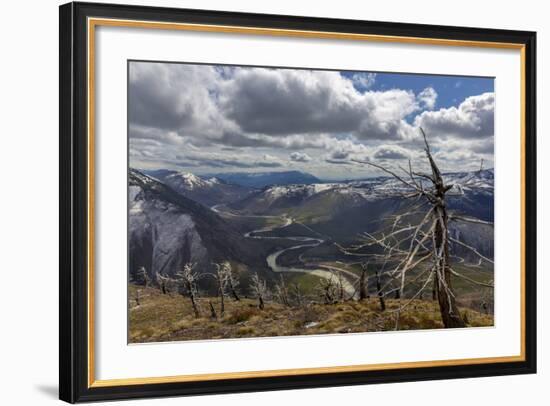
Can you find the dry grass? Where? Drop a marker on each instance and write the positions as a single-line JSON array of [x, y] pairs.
[[161, 317]]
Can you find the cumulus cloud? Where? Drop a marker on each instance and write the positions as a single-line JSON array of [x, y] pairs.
[[339, 154], [473, 118], [283, 102], [243, 106], [299, 157], [363, 80], [427, 98], [391, 152], [229, 117], [176, 97]]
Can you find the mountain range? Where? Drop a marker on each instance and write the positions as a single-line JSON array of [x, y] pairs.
[[263, 179], [172, 218]]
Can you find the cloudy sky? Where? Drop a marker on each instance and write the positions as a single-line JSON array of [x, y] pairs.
[[209, 119]]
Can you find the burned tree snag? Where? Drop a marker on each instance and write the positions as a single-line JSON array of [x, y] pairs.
[[364, 282], [233, 283], [379, 291], [443, 284], [422, 246], [162, 281], [281, 291], [222, 279], [213, 314], [187, 279], [259, 287], [328, 290], [142, 277]]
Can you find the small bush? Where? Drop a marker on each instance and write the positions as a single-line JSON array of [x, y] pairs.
[[465, 318], [245, 332], [240, 315]]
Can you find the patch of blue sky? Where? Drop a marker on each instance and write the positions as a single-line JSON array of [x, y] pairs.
[[451, 90]]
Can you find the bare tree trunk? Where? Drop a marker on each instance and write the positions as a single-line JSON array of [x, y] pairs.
[[193, 301], [212, 311], [450, 314], [298, 295], [437, 218], [341, 291], [447, 305], [259, 287], [222, 302], [282, 291], [379, 290], [363, 284], [233, 291]]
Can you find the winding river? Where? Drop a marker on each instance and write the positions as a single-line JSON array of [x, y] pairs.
[[326, 272]]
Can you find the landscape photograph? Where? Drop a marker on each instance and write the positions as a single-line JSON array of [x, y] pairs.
[[268, 202]]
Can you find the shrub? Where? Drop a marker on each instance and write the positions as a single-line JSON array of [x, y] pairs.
[[241, 314]]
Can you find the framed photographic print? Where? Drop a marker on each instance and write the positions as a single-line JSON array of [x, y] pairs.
[[256, 202]]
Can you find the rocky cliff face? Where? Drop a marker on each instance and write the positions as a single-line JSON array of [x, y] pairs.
[[167, 230]]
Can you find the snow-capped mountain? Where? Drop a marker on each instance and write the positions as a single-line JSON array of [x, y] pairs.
[[358, 191], [189, 181], [205, 190], [342, 196], [262, 179]]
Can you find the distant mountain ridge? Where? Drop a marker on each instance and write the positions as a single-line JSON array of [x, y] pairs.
[[343, 210], [338, 211], [355, 192], [205, 190], [262, 179]]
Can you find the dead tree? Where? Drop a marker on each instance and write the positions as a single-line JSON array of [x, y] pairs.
[[328, 289], [137, 298], [412, 244], [212, 310], [187, 279], [232, 280], [364, 282], [340, 287], [297, 294], [222, 279], [281, 292], [163, 281], [259, 288], [379, 290], [142, 277]]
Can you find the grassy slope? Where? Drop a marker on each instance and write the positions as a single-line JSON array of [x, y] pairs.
[[170, 318]]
